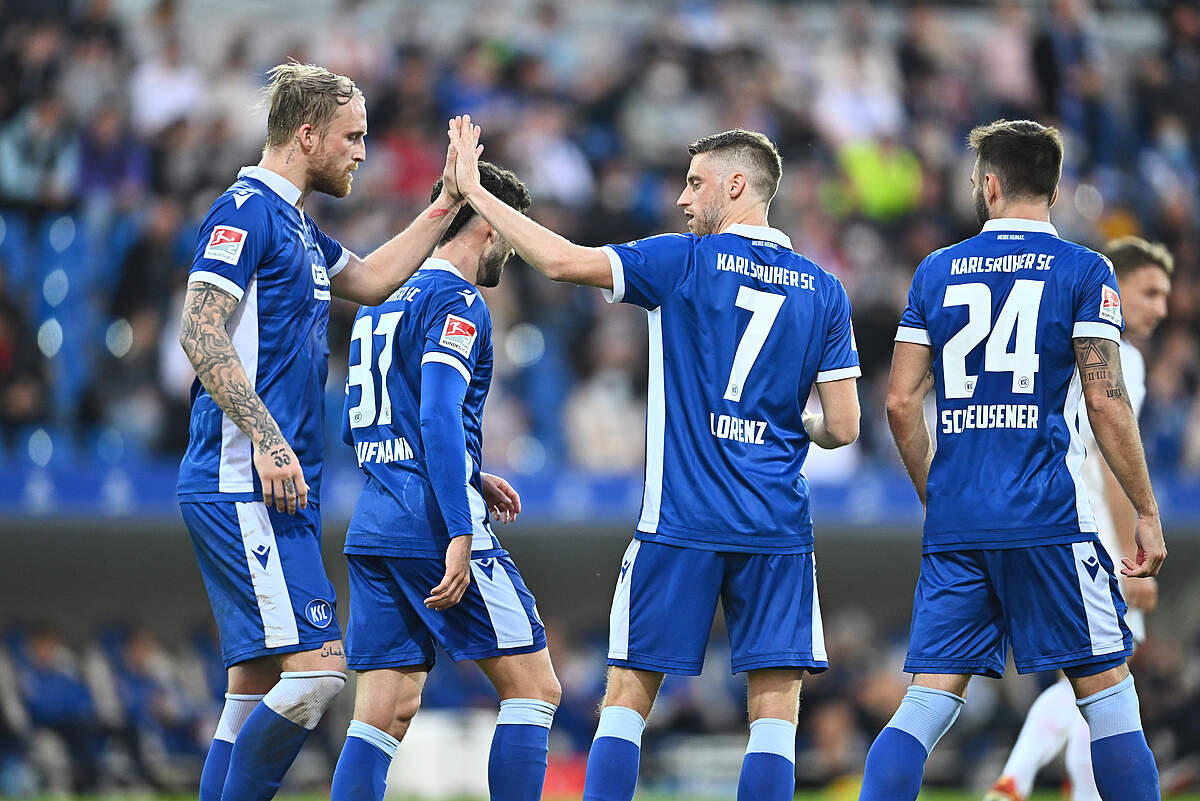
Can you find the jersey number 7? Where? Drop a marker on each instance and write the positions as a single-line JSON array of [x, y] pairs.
[[360, 373], [764, 308], [1020, 312]]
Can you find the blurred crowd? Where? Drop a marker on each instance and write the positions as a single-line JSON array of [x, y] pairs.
[[118, 127], [126, 711]]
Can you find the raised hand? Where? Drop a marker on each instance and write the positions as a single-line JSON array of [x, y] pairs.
[[464, 139], [450, 181]]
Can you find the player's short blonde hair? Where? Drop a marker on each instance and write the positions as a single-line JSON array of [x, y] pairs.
[[297, 93], [1129, 253]]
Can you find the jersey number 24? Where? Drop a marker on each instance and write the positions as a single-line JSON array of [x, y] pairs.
[[1019, 312]]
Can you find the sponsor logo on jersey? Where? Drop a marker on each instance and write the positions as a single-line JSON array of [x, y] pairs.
[[1110, 305], [319, 612], [458, 335], [240, 197], [468, 296], [225, 244], [321, 279]]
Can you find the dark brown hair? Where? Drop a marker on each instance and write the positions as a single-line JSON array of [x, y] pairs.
[[1026, 156], [502, 183]]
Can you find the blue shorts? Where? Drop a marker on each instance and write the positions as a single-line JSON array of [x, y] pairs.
[[390, 626], [666, 597], [264, 575], [1058, 605]]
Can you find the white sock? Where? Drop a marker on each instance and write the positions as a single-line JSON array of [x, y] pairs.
[[233, 715], [1079, 763], [1044, 734]]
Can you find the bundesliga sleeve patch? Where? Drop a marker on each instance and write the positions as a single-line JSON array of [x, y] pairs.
[[225, 244], [458, 335], [1110, 305]]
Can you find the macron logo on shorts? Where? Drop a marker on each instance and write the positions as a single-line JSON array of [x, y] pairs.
[[458, 335], [1093, 566], [225, 244]]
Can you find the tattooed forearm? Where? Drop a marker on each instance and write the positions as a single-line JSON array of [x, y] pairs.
[[1112, 419], [208, 346]]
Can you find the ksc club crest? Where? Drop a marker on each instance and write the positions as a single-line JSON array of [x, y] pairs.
[[319, 612]]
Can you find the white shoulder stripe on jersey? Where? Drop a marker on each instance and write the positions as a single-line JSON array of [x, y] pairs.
[[219, 281], [1102, 330], [342, 261], [437, 357], [917, 336], [854, 371], [618, 276]]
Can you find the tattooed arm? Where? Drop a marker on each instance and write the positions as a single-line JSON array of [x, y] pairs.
[[202, 333], [1116, 430]]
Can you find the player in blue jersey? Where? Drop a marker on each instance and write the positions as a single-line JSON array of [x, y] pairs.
[[741, 328], [425, 567], [254, 327], [1012, 328], [1143, 271]]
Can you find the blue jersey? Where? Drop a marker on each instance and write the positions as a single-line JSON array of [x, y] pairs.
[[257, 246], [437, 318], [740, 329], [1000, 311]]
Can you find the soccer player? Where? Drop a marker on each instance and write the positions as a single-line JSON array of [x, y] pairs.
[[425, 566], [254, 327], [1144, 271], [998, 325], [741, 327]]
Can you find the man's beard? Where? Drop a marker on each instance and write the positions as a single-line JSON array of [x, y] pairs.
[[709, 218], [329, 179], [981, 208], [491, 265]]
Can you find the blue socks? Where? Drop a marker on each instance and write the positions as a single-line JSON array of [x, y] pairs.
[[769, 767], [896, 761], [216, 764], [265, 748], [1121, 760], [517, 764], [361, 772], [612, 766]]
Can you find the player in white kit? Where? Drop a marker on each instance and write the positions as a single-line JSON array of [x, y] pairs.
[[1144, 271]]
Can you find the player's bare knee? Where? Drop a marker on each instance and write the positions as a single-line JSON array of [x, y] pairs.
[[549, 689], [403, 713]]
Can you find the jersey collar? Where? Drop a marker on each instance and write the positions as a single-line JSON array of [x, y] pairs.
[[433, 263], [1019, 224], [760, 232], [276, 182]]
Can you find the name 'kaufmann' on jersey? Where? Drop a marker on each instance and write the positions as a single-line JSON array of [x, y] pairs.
[[1000, 311], [741, 327]]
